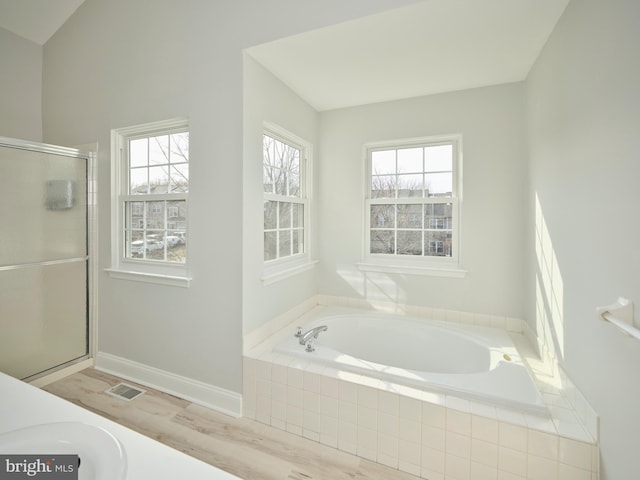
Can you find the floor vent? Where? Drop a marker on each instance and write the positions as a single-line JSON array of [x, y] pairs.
[[125, 392]]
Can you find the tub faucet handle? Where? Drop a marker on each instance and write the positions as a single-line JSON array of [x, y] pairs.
[[309, 348], [298, 333]]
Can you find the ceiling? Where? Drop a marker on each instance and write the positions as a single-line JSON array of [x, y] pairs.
[[430, 47], [36, 20]]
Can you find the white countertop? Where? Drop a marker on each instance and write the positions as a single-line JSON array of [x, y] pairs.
[[22, 405]]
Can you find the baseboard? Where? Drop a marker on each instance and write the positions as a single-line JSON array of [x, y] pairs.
[[224, 401]]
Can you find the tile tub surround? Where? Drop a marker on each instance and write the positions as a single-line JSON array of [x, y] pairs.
[[435, 436]]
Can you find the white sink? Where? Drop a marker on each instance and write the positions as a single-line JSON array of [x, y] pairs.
[[102, 457]]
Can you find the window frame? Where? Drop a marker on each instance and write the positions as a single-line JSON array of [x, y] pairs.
[[415, 264], [283, 267], [142, 269]]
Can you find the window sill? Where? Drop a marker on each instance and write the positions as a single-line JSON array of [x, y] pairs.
[[159, 279], [273, 274], [432, 271]]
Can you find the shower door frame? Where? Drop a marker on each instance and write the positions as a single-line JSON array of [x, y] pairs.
[[91, 241]]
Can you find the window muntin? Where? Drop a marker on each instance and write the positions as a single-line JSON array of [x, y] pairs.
[[155, 203], [412, 201], [285, 203]]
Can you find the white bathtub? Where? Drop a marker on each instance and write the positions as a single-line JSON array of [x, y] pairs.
[[478, 363]]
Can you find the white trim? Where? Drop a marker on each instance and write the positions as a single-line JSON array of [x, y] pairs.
[[281, 271], [433, 271], [284, 135], [136, 276], [225, 401], [153, 128]]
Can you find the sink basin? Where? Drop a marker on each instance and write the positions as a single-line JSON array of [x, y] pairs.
[[102, 457]]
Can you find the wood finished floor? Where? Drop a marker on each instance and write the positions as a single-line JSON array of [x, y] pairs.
[[243, 447]]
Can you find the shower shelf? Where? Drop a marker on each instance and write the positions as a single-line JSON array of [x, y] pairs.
[[620, 314]]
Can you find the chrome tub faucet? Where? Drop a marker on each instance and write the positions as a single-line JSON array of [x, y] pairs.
[[306, 337]]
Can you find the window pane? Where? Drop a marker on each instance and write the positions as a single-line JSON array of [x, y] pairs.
[[409, 243], [409, 216], [138, 182], [180, 178], [294, 183], [382, 241], [410, 186], [138, 152], [158, 179], [410, 160], [284, 212], [270, 245], [439, 158], [297, 215], [155, 245], [383, 162], [286, 156], [159, 150], [176, 238], [155, 215], [179, 143], [383, 186], [134, 215], [438, 216], [281, 167], [174, 246], [437, 244], [177, 215], [285, 243], [292, 159], [267, 179], [270, 215], [134, 247], [383, 216], [298, 242], [438, 184], [280, 181]]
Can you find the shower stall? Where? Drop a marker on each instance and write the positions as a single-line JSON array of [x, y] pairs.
[[44, 257]]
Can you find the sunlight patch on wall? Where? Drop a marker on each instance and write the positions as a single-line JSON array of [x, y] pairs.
[[549, 290], [378, 289]]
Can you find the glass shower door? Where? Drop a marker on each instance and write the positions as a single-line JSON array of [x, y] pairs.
[[43, 259]]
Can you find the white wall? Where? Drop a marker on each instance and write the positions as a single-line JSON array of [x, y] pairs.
[[267, 99], [124, 62], [491, 121], [583, 103], [20, 87]]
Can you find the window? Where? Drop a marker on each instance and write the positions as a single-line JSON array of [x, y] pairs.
[[151, 187], [285, 167], [412, 203]]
